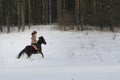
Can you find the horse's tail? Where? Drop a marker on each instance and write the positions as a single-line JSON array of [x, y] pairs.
[[19, 55]]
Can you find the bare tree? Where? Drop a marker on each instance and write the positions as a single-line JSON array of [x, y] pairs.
[[94, 5], [77, 12], [59, 3], [1, 15], [23, 14], [29, 12], [82, 10], [19, 14], [43, 10], [8, 22], [110, 14], [46, 11]]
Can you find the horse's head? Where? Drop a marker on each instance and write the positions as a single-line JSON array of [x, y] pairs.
[[42, 40]]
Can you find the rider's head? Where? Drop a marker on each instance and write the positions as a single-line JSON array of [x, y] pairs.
[[34, 33]]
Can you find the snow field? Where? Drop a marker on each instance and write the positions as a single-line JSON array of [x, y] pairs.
[[87, 55]]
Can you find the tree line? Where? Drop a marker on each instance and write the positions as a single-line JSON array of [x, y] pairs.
[[68, 14]]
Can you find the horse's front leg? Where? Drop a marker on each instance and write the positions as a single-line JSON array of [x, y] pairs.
[[42, 54], [29, 55], [40, 51]]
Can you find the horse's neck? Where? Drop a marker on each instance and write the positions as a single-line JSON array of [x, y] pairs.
[[39, 45]]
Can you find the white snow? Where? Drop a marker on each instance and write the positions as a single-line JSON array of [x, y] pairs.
[[70, 55]]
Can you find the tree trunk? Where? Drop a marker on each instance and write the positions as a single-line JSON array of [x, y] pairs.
[[1, 16], [82, 5], [50, 11], [64, 6], [59, 3], [1, 27], [7, 17], [32, 12], [77, 13], [23, 15], [19, 15], [94, 12], [94, 5], [43, 10], [8, 23], [111, 26], [29, 13], [46, 12]]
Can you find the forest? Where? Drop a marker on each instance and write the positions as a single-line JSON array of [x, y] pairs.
[[67, 14]]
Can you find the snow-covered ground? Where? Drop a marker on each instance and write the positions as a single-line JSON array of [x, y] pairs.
[[87, 55]]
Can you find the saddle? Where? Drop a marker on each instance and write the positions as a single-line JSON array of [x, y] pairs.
[[35, 47]]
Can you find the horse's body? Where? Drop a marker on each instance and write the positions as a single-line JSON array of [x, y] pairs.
[[29, 50]]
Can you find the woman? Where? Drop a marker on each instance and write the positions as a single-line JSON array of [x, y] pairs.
[[33, 39]]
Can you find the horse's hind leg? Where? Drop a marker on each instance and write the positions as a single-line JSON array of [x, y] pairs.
[[28, 55], [19, 55]]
